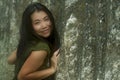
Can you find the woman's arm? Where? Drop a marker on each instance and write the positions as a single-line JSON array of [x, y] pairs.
[[12, 58], [29, 70]]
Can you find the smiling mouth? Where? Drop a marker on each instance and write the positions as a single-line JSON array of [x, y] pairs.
[[45, 31]]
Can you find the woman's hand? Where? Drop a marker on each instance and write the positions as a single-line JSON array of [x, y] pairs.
[[54, 60], [12, 58]]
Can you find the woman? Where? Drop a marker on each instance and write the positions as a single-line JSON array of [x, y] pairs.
[[38, 47]]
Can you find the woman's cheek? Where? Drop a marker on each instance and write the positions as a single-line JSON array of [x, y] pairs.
[[49, 24], [36, 27]]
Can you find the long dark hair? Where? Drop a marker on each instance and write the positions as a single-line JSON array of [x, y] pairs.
[[27, 33]]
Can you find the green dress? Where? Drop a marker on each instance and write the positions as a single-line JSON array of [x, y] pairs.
[[34, 47]]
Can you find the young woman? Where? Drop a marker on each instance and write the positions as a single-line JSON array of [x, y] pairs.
[[37, 52]]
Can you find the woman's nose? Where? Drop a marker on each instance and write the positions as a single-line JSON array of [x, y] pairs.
[[43, 24]]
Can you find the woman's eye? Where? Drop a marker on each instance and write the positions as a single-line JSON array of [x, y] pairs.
[[46, 19], [37, 23]]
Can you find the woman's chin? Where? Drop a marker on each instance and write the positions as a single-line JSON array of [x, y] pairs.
[[46, 35]]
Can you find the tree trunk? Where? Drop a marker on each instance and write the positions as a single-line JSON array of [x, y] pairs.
[[89, 31]]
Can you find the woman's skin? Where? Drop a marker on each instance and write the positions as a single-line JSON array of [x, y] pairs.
[[29, 71], [41, 23], [12, 57]]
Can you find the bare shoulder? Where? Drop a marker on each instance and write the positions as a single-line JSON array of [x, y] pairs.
[[38, 54], [33, 62]]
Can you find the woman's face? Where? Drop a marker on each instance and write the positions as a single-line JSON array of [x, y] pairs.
[[41, 23]]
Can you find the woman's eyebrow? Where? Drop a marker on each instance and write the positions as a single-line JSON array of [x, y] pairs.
[[39, 19], [36, 20]]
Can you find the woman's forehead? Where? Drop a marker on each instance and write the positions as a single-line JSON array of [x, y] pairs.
[[39, 15]]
